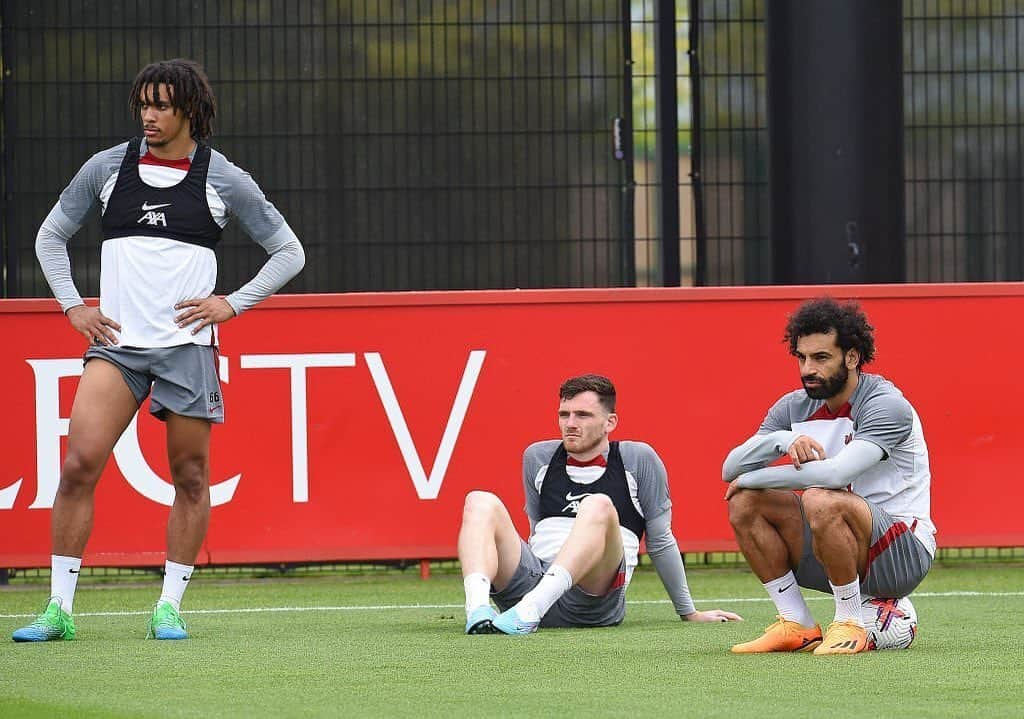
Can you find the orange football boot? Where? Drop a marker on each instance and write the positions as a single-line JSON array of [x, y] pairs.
[[782, 636], [846, 637]]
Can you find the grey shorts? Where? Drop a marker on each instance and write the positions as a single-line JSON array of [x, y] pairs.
[[897, 561], [183, 379], [575, 608]]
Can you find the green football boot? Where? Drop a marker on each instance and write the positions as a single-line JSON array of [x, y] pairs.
[[166, 623], [53, 623]]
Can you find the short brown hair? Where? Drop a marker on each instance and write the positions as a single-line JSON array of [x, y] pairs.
[[599, 385]]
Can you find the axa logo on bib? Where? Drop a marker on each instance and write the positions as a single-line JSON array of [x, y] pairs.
[[151, 217], [51, 428], [574, 500]]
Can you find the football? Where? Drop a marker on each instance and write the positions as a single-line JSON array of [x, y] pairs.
[[891, 623]]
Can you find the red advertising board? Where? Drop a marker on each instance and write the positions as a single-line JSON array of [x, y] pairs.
[[357, 423]]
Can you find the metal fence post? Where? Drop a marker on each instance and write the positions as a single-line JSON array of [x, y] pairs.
[[666, 99], [623, 149], [696, 147]]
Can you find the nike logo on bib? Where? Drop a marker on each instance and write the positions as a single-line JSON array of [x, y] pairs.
[[574, 500], [147, 207]]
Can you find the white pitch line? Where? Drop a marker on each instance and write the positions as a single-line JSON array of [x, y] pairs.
[[387, 607]]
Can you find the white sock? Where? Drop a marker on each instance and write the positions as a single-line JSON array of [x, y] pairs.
[[64, 579], [785, 592], [478, 591], [847, 602], [176, 578], [536, 603]]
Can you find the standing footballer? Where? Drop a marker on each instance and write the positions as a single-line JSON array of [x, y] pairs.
[[164, 199], [856, 448]]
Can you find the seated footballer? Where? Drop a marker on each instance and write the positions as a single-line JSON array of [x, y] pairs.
[[589, 501]]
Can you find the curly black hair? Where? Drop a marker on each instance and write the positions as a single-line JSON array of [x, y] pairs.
[[190, 92], [825, 315], [601, 386]]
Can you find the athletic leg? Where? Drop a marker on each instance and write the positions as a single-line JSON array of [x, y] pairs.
[[103, 407], [489, 552], [590, 558], [188, 453], [488, 541], [592, 554], [769, 529], [840, 523]]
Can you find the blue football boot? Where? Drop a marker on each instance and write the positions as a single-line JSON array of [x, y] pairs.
[[480, 620], [509, 622]]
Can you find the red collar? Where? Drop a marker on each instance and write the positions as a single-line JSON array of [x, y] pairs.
[[598, 461], [149, 159]]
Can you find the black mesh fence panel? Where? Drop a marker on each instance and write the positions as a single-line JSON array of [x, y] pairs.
[[423, 144], [734, 141], [648, 195], [963, 109], [963, 75], [449, 144]]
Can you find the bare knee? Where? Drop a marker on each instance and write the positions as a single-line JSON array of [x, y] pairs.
[[598, 508], [750, 508], [191, 479], [744, 508], [80, 472], [480, 505], [823, 508]]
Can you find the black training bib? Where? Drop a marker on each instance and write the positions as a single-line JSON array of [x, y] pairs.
[[180, 212], [561, 497]]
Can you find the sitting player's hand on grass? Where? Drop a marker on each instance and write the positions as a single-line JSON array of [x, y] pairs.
[[712, 615]]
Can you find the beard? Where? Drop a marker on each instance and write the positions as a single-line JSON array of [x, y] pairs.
[[581, 444], [830, 386]]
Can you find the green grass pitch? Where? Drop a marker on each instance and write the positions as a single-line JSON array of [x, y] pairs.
[[391, 645]]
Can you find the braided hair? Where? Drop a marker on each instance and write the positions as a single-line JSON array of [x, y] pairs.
[[190, 92]]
